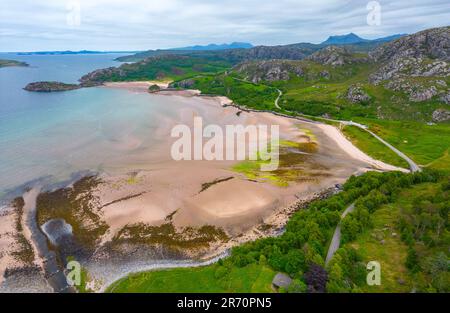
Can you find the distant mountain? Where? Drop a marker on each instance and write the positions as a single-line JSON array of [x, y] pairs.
[[344, 39], [211, 47], [234, 53], [389, 38], [355, 39], [71, 52]]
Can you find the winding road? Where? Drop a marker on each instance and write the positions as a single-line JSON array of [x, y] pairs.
[[412, 165], [336, 239], [280, 93]]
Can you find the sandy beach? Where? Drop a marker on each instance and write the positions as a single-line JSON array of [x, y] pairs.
[[158, 191]]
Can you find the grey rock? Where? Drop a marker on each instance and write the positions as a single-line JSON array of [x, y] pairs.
[[432, 43], [185, 84], [423, 54], [441, 115], [271, 70], [445, 98], [356, 94], [281, 280], [335, 56], [423, 94]]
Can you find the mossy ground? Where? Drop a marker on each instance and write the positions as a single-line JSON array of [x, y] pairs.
[[293, 164], [77, 207], [253, 278], [24, 251]]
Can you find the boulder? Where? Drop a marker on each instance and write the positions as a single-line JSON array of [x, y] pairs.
[[441, 115], [281, 280], [356, 94]]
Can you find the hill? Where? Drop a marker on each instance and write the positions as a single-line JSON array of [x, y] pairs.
[[355, 39], [212, 47], [407, 78], [343, 39], [69, 52], [236, 53]]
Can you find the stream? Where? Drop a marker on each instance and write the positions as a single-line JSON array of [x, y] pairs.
[[52, 270]]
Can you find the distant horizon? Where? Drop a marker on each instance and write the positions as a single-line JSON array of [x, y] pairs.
[[139, 25], [195, 44]]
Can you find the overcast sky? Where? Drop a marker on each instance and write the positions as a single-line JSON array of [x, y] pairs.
[[30, 25]]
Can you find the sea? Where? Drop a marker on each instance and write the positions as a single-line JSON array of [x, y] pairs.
[[50, 136]]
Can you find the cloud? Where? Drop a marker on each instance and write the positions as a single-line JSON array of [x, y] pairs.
[[149, 24]]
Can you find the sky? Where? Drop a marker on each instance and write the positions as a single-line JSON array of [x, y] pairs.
[[30, 25]]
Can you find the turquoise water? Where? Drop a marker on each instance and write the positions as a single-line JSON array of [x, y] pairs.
[[56, 134]]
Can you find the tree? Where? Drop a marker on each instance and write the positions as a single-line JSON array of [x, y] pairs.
[[316, 278], [412, 261], [297, 286]]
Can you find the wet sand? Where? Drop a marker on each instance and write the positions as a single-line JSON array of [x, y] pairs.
[[236, 205], [156, 186]]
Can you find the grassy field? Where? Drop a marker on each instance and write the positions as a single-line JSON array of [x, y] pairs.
[[427, 145], [372, 146], [163, 68], [213, 278], [243, 93], [391, 254]]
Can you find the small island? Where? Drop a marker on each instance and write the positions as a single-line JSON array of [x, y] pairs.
[[7, 63], [50, 86]]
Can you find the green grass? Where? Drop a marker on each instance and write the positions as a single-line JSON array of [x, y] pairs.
[[253, 278], [243, 93], [391, 255], [427, 145], [312, 94], [372, 146], [162, 68]]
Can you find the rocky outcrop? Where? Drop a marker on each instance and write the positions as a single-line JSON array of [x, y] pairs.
[[50, 86], [431, 43], [98, 77], [441, 115], [423, 94], [417, 64], [446, 98], [336, 56], [418, 91], [184, 84], [412, 67], [272, 70], [356, 94]]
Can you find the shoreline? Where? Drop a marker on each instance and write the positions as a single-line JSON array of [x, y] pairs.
[[332, 132], [219, 251], [274, 213]]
